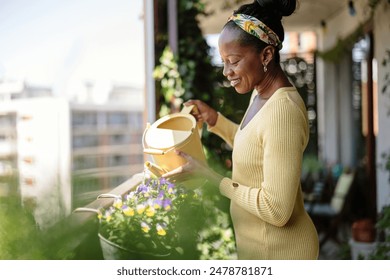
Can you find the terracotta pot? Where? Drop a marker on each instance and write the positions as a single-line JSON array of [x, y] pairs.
[[363, 230]]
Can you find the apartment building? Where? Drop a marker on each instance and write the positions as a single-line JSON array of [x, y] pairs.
[[106, 144], [58, 155]]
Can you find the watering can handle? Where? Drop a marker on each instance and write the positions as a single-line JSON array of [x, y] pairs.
[[154, 151], [188, 110]]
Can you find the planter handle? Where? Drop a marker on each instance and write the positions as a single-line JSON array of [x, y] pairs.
[[108, 195], [85, 209]]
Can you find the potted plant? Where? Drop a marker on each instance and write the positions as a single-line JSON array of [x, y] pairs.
[[382, 250], [363, 239], [144, 224]]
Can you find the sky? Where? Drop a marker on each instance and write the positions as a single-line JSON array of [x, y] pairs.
[[66, 44]]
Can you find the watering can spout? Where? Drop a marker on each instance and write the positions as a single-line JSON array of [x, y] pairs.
[[155, 169]]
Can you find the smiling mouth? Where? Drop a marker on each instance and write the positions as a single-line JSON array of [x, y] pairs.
[[235, 82]]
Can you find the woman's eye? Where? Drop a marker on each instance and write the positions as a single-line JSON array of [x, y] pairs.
[[234, 62]]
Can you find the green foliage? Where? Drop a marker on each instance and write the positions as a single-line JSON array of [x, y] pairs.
[[345, 251], [382, 250], [165, 220], [384, 220], [216, 241], [145, 220], [385, 164], [386, 82], [19, 235], [198, 79], [374, 3], [343, 45], [311, 164], [171, 83], [21, 238]]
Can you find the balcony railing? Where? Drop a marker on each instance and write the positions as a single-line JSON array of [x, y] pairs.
[[76, 236]]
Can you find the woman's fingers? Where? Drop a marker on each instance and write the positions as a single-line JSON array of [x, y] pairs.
[[181, 169], [173, 172], [196, 113], [184, 155]]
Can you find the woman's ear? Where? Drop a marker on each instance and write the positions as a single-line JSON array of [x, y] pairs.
[[267, 54]]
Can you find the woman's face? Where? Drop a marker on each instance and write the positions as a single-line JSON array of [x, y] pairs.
[[242, 64]]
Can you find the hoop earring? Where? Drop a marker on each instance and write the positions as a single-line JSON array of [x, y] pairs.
[[265, 67]]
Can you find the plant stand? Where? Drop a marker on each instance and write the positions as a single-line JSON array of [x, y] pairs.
[[361, 250]]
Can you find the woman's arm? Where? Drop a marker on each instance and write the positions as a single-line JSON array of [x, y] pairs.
[[216, 122]]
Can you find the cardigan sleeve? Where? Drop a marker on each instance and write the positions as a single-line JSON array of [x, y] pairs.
[[284, 141], [224, 128]]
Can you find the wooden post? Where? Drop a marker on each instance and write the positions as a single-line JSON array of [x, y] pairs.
[[370, 143]]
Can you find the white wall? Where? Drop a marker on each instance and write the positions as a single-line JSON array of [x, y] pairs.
[[328, 112], [43, 136], [332, 86], [335, 122], [382, 43]]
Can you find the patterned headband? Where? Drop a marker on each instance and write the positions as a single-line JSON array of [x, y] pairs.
[[256, 28]]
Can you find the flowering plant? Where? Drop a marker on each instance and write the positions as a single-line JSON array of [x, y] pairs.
[[145, 219]]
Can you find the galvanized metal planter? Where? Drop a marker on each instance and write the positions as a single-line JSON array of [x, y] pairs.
[[112, 251]]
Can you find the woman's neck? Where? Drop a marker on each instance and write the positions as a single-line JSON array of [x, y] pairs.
[[274, 79]]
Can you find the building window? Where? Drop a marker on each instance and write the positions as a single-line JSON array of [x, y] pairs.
[[119, 139], [84, 141], [117, 160], [84, 119], [84, 162], [117, 118], [8, 121], [136, 120]]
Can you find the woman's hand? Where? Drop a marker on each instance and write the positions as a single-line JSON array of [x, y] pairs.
[[193, 168], [205, 112]]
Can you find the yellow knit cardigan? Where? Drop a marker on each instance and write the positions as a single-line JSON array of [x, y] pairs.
[[267, 207]]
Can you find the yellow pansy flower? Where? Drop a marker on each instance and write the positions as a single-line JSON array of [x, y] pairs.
[[160, 230], [128, 211], [140, 208], [145, 227], [150, 211], [117, 203]]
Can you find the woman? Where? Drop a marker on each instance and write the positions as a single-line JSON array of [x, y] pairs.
[[267, 208]]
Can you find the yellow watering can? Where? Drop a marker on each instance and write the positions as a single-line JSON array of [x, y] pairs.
[[175, 131]]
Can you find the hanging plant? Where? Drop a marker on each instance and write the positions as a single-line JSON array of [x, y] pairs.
[[343, 45], [386, 82], [170, 79]]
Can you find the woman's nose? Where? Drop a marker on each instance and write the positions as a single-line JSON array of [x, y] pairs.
[[226, 70]]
